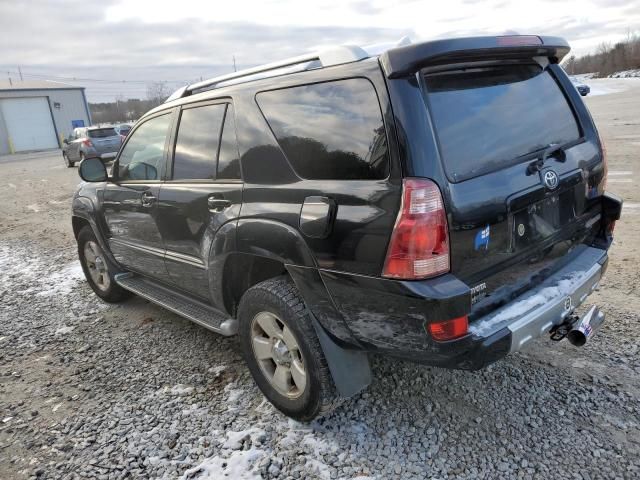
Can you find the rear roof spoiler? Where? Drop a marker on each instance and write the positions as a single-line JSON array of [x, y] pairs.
[[402, 61]]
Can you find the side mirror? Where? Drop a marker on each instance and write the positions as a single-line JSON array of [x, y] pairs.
[[92, 170], [65, 141]]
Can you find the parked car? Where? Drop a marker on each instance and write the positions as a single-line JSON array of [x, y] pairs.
[[90, 142], [583, 88], [442, 203], [123, 129]]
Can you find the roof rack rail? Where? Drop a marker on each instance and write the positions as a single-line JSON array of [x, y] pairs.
[[324, 58]]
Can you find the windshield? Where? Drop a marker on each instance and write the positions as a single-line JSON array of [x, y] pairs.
[[102, 133], [485, 118]]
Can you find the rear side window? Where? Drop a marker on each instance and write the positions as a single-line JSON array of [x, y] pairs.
[[228, 160], [329, 131], [197, 143], [485, 118], [102, 133]]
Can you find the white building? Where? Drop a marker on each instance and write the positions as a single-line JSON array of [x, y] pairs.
[[38, 115]]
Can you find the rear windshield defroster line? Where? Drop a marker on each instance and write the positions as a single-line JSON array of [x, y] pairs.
[[487, 117]]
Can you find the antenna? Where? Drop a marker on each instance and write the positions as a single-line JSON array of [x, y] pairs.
[[234, 64]]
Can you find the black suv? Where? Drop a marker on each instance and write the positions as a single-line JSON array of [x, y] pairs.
[[441, 202]]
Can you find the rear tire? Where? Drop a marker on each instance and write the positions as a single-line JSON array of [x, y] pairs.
[[67, 162], [283, 352], [98, 269]]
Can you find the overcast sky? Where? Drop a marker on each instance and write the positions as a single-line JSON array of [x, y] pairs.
[[114, 47]]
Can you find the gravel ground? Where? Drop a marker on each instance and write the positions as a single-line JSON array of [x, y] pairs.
[[132, 391]]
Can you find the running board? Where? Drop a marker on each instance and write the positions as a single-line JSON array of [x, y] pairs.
[[196, 311]]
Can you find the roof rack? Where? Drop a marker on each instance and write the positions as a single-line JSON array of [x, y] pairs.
[[321, 59], [310, 61]]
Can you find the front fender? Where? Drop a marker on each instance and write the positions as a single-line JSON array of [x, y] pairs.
[[84, 208]]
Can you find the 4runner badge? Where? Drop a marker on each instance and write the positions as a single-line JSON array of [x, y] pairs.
[[550, 179]]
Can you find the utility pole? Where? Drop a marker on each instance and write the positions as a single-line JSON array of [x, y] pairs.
[[234, 64], [9, 75], [20, 72]]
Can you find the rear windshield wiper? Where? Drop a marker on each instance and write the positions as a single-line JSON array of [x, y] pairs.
[[554, 150]]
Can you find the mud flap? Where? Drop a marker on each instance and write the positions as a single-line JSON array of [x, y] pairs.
[[349, 368]]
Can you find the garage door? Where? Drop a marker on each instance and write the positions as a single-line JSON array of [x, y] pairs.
[[29, 123]]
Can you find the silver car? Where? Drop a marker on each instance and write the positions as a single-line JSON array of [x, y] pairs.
[[88, 142]]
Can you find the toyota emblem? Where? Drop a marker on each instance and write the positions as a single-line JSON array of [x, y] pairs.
[[550, 179]]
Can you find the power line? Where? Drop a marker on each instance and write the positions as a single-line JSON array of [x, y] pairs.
[[83, 79]]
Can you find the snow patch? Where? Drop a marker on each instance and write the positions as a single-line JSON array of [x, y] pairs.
[[179, 390], [239, 465], [64, 330]]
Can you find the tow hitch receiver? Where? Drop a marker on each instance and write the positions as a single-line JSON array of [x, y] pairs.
[[578, 330]]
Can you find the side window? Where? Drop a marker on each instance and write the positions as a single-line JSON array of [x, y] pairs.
[[197, 143], [143, 155], [228, 161], [329, 131]]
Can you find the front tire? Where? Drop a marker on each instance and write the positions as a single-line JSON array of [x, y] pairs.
[[98, 269], [283, 352]]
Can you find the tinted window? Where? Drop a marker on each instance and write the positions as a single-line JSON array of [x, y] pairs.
[[197, 142], [228, 161], [143, 155], [329, 131], [102, 133], [486, 118]]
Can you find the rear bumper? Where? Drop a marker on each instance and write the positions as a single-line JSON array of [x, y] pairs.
[[550, 303], [392, 315]]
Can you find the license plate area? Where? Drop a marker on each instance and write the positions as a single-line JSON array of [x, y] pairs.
[[543, 219]]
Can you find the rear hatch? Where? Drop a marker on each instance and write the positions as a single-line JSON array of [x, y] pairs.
[[105, 140], [522, 174]]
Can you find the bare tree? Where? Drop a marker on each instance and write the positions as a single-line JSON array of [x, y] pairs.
[[157, 93]]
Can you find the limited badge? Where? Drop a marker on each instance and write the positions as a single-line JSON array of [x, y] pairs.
[[521, 230], [482, 239]]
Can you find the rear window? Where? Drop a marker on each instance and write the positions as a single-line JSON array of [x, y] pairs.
[[102, 132], [485, 118], [329, 131]]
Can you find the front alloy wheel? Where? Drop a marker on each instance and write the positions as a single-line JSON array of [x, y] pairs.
[[97, 265]]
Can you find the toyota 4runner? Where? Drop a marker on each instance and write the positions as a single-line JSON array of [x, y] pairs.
[[441, 202]]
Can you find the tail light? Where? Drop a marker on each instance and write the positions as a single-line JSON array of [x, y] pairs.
[[449, 329], [419, 246], [87, 143]]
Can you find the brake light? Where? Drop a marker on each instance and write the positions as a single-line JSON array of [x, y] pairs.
[[449, 329], [519, 40], [87, 143], [419, 246]]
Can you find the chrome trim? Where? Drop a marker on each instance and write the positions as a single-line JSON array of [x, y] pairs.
[[141, 248], [184, 258]]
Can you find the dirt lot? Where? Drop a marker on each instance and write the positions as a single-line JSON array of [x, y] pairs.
[[133, 391]]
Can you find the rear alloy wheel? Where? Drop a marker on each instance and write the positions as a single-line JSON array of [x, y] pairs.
[[282, 350], [278, 354], [98, 269]]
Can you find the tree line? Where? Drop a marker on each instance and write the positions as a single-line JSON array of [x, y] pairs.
[[608, 58], [129, 109]]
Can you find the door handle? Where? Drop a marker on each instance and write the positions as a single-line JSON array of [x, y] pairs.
[[217, 204], [148, 199]]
